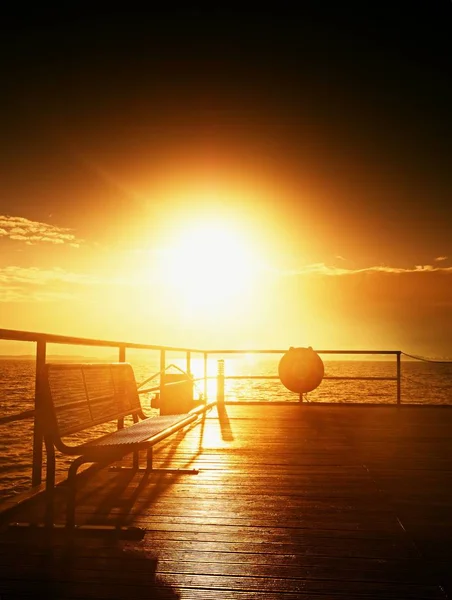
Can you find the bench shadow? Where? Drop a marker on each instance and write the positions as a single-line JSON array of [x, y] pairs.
[[142, 491], [160, 481], [56, 568], [119, 499]]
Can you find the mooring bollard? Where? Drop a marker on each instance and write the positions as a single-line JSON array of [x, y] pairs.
[[220, 384]]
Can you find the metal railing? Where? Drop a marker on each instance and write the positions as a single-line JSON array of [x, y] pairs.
[[396, 378], [43, 339]]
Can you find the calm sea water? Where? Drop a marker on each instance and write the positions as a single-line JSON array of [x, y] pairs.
[[422, 383]]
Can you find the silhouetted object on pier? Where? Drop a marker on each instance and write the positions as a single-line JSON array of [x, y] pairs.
[[301, 370]]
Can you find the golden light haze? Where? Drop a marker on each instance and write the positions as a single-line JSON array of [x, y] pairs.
[[220, 179], [230, 265]]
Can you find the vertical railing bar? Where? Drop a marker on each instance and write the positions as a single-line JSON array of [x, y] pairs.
[[122, 354], [188, 368], [205, 376], [399, 377], [36, 470], [162, 371], [188, 362]]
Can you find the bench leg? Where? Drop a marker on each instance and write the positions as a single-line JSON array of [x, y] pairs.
[[150, 469], [132, 532], [50, 485], [136, 460], [135, 464], [149, 457], [72, 492], [69, 528]]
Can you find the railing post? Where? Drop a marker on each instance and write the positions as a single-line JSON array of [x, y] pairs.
[[205, 376], [122, 354], [220, 385], [162, 371], [36, 470], [399, 377], [188, 367]]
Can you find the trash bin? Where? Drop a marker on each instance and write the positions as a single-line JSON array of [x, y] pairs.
[[177, 398]]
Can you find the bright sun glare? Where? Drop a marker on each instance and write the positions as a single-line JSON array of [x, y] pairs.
[[208, 266]]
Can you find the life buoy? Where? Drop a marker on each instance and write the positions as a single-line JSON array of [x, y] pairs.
[[301, 370]]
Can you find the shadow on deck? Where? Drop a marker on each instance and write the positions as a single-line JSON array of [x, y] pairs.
[[290, 502]]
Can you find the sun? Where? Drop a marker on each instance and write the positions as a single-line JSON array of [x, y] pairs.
[[209, 266]]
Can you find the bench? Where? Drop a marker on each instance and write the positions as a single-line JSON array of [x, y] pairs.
[[80, 397]]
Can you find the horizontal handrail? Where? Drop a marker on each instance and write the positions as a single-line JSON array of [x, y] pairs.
[[266, 377], [50, 338], [360, 378], [26, 414], [273, 351], [170, 383], [325, 377]]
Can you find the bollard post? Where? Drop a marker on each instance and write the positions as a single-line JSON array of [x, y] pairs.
[[188, 363], [205, 376], [162, 372]]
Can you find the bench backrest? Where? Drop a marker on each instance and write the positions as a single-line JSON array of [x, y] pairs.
[[82, 395]]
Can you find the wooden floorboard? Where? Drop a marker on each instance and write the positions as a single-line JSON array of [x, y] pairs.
[[290, 502]]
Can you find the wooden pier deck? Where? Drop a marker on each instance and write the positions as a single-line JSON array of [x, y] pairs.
[[290, 502]]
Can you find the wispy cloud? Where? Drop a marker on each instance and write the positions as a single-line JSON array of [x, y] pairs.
[[18, 275], [35, 232], [22, 295], [18, 284], [25, 284], [323, 269], [441, 258]]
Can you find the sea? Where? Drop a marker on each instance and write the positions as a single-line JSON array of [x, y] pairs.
[[421, 383]]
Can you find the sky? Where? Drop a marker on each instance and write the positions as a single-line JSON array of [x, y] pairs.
[[229, 179]]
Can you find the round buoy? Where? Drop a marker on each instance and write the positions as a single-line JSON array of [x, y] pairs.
[[301, 370]]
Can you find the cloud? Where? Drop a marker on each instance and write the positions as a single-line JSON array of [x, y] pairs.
[[22, 295], [440, 258], [35, 232], [25, 284], [323, 269], [12, 275], [19, 284]]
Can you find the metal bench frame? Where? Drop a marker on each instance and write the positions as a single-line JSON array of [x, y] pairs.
[[79, 396]]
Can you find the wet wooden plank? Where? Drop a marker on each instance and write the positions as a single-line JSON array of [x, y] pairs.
[[291, 502]]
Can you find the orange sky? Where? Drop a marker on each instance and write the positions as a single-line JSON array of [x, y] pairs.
[[294, 193]]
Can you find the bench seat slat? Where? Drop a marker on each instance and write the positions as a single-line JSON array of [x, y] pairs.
[[136, 433]]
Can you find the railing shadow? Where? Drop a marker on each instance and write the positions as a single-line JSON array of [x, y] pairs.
[[225, 424]]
